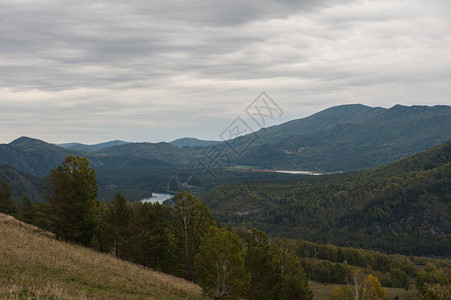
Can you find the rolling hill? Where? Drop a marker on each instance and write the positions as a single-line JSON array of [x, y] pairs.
[[91, 148], [33, 265], [21, 183], [190, 142], [349, 138], [403, 207]]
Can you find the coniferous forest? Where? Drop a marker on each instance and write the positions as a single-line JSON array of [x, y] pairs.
[[229, 259]]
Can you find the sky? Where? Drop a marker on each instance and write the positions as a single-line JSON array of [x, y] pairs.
[[94, 71]]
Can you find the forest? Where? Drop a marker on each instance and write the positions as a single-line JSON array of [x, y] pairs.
[[186, 241], [399, 208]]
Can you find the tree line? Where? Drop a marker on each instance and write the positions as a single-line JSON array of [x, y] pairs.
[[183, 240]]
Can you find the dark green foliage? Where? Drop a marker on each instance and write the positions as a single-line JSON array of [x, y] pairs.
[[104, 234], [119, 219], [356, 257], [148, 241], [190, 221], [435, 292], [71, 199], [292, 277], [261, 266], [7, 202], [219, 265], [399, 278], [394, 208], [26, 211], [433, 275], [325, 271]]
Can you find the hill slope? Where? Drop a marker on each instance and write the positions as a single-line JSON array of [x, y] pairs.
[[34, 263], [404, 207], [347, 138], [22, 184], [190, 142], [92, 148]]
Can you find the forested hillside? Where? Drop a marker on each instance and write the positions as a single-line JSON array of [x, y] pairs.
[[401, 208], [370, 137], [22, 184]]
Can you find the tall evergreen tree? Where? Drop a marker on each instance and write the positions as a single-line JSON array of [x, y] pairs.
[[148, 243], [261, 267], [293, 280], [219, 265], [190, 221], [7, 203], [104, 236], [71, 196], [119, 219], [26, 211]]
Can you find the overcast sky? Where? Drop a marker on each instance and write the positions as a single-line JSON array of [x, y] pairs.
[[93, 71]]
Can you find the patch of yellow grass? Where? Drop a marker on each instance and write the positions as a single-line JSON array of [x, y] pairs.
[[321, 292], [33, 265]]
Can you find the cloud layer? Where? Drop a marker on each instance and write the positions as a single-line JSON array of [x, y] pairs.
[[158, 70]]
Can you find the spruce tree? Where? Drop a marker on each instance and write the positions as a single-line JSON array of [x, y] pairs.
[[71, 193], [7, 203], [219, 265]]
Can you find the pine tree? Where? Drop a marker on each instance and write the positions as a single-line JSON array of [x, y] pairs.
[[71, 196], [219, 265], [7, 203], [293, 280], [261, 266], [119, 219], [190, 221], [26, 211]]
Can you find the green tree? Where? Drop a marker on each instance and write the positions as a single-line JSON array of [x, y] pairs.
[[219, 265], [399, 278], [7, 203], [148, 243], [71, 191], [435, 292], [119, 218], [293, 280], [260, 265], [433, 276], [190, 221], [104, 236], [26, 211]]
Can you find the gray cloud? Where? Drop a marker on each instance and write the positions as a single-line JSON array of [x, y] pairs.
[[161, 70]]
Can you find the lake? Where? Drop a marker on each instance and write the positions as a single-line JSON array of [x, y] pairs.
[[157, 197], [299, 172]]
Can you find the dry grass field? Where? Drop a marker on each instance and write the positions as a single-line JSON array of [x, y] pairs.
[[33, 265]]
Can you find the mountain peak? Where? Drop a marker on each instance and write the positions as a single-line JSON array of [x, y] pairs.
[[25, 140]]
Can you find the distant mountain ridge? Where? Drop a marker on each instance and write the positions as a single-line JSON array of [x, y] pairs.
[[342, 138], [191, 142], [92, 148], [348, 137], [21, 183]]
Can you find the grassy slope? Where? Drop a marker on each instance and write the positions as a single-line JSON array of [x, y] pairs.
[[33, 262]]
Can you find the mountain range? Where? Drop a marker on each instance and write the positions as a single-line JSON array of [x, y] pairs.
[[341, 138], [91, 148]]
